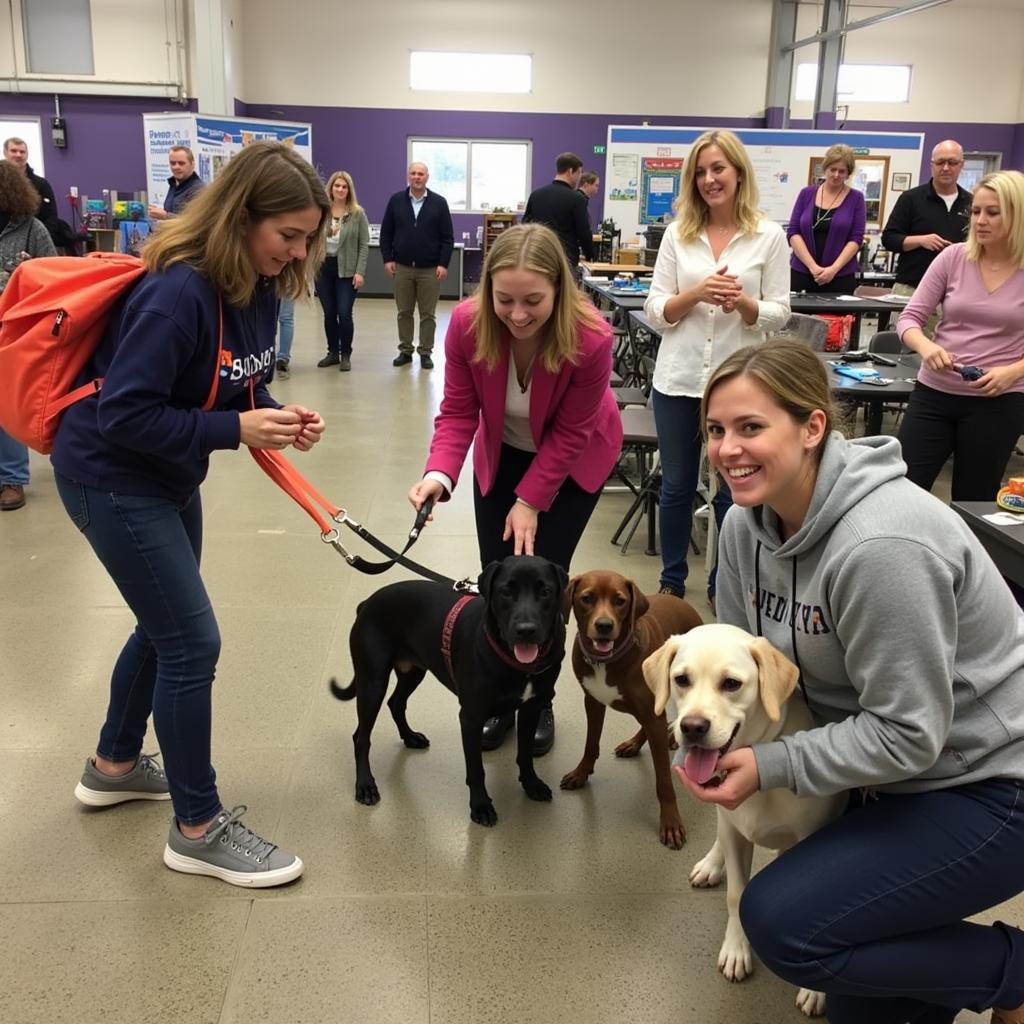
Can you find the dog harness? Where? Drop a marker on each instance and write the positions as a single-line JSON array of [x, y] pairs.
[[448, 631]]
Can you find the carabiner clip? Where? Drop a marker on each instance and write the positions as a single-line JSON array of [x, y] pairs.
[[333, 537]]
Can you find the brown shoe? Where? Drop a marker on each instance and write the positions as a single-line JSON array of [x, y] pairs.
[[12, 496], [1015, 1016]]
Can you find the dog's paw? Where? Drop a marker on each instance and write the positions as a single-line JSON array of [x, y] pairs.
[[735, 959], [415, 741], [630, 747], [576, 779], [709, 870], [367, 793], [810, 1003], [672, 834], [484, 814], [536, 790]]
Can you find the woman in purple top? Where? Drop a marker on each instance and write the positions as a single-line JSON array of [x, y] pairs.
[[969, 399], [826, 229]]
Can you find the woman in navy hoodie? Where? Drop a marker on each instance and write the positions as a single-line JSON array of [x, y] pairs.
[[184, 365]]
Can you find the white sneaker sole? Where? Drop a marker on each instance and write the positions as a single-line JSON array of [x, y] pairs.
[[247, 879], [105, 798]]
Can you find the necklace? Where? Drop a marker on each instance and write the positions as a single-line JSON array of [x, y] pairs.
[[825, 211]]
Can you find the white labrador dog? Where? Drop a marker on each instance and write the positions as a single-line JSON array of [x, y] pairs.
[[732, 690]]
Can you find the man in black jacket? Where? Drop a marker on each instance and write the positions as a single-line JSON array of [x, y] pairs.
[[16, 152], [416, 243], [928, 218], [563, 209]]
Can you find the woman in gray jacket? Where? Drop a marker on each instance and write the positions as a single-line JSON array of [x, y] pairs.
[[341, 276], [911, 655], [22, 237]]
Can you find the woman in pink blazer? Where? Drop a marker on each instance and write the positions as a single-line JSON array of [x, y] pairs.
[[527, 369]]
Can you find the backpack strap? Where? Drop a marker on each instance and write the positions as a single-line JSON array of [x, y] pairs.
[[212, 396]]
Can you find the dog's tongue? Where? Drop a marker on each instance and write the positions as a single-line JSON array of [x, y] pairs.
[[526, 653], [700, 764], [603, 646]]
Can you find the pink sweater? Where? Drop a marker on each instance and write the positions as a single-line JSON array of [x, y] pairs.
[[981, 329]]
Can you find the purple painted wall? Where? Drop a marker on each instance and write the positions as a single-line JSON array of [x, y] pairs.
[[105, 141], [371, 144]]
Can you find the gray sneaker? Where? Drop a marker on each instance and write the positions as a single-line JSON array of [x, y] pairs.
[[144, 782], [231, 852]]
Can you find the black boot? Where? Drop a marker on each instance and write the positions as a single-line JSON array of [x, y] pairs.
[[495, 729]]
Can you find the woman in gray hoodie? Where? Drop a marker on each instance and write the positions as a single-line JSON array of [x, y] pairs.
[[911, 654]]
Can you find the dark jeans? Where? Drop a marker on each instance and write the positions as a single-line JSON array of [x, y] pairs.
[[801, 281], [871, 909], [677, 422], [151, 548], [337, 295], [978, 432], [558, 530]]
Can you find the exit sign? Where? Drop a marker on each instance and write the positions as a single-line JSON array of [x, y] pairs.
[[598, 150]]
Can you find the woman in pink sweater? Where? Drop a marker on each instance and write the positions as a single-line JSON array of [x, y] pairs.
[[969, 399]]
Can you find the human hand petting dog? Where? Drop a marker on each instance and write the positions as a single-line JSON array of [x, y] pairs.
[[521, 524], [740, 780]]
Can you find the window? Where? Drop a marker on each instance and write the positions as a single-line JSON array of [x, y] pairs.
[[866, 83], [464, 72], [476, 176]]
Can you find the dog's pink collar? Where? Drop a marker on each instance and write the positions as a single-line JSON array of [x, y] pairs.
[[630, 643], [530, 670]]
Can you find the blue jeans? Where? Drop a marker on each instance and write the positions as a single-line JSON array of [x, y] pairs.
[[151, 548], [677, 422], [337, 295], [871, 909], [13, 461], [285, 329]]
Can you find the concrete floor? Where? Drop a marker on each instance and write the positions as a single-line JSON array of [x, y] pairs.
[[569, 911]]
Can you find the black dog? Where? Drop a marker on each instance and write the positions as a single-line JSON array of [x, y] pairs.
[[495, 652]]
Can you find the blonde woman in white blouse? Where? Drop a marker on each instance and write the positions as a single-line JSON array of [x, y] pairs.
[[721, 281]]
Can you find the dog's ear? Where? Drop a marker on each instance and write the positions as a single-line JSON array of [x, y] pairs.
[[655, 668], [568, 596], [777, 676], [640, 603], [561, 576], [486, 579]]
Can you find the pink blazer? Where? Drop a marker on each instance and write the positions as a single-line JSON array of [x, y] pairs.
[[573, 416]]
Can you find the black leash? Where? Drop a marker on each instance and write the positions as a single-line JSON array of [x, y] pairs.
[[394, 557]]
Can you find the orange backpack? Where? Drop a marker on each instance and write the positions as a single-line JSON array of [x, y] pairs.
[[53, 313]]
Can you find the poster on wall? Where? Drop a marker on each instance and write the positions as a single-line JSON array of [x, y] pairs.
[[779, 157], [659, 186], [622, 181], [213, 140]]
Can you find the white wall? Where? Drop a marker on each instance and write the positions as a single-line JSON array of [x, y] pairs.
[[234, 50], [660, 57], [965, 57], [129, 41]]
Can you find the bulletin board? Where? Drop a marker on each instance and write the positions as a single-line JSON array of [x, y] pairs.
[[781, 160], [213, 140]]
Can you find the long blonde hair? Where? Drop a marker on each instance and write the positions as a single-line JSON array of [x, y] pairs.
[[265, 179], [692, 211], [1009, 187], [351, 204], [536, 248]]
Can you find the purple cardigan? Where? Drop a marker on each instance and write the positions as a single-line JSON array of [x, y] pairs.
[[847, 226]]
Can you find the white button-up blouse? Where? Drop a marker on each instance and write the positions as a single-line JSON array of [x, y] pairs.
[[693, 348]]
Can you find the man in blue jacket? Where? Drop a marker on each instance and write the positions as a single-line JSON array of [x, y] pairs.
[[416, 242], [184, 183]]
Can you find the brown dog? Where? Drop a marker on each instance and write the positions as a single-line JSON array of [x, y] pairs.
[[618, 628]]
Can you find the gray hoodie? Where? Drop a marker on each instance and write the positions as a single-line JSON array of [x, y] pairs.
[[910, 646]]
